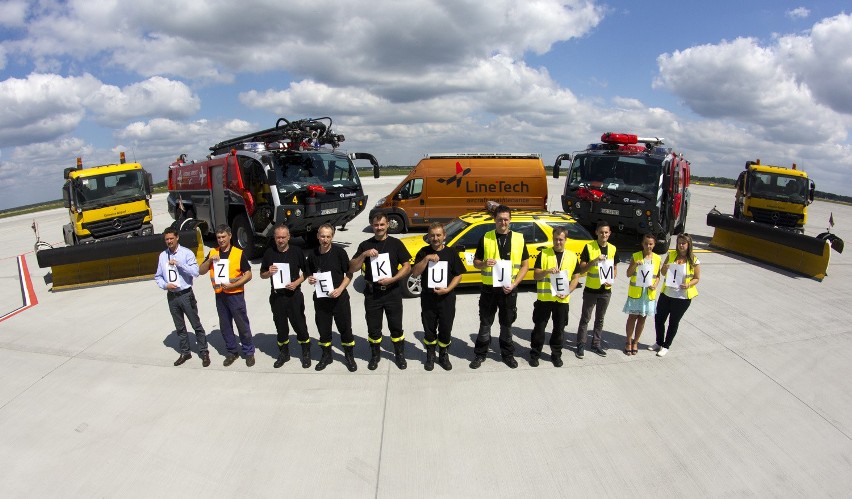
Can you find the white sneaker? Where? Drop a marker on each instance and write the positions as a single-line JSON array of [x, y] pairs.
[[654, 347], [663, 351]]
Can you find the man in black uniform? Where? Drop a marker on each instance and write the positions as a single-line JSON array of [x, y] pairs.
[[499, 244], [438, 304], [332, 259], [287, 302], [387, 263]]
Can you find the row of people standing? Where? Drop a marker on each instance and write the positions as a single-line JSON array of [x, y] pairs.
[[501, 256]]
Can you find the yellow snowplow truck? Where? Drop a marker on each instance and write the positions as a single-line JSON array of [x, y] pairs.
[[768, 224], [110, 236]]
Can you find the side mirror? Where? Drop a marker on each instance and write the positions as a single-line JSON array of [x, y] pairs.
[[811, 191], [66, 196], [558, 163], [271, 177]]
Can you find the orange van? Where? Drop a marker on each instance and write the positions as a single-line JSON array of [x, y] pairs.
[[443, 186]]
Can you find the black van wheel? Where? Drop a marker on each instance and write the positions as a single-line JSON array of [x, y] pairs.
[[395, 224], [413, 287]]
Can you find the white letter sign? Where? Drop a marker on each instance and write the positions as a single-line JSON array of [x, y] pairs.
[[674, 277], [380, 266], [281, 278], [559, 284], [644, 275], [221, 271], [502, 273], [437, 274], [324, 284], [606, 271]]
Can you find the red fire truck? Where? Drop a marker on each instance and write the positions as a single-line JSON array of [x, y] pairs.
[[636, 184], [291, 173]]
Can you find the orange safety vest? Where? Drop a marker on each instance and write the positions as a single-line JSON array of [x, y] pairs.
[[234, 272]]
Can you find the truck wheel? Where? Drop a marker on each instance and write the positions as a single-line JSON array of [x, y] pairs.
[[243, 235], [395, 225], [413, 287], [663, 243]]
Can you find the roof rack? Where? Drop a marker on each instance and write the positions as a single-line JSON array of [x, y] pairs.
[[304, 133]]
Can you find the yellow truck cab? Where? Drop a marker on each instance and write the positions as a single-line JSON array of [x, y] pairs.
[[107, 202], [444, 186], [774, 195]]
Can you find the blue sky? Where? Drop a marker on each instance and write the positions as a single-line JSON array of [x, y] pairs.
[[723, 82]]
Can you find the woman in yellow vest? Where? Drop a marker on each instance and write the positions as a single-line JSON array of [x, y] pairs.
[[675, 300], [644, 273]]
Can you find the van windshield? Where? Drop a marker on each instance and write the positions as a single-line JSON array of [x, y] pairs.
[[641, 175]]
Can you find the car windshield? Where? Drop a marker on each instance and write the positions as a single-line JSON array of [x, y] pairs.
[[616, 173], [779, 187], [454, 228], [322, 168], [98, 191]]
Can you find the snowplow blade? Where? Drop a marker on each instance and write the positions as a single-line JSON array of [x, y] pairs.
[[110, 262], [805, 255]]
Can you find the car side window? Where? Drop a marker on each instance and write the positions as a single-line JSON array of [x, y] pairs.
[[531, 231], [471, 238]]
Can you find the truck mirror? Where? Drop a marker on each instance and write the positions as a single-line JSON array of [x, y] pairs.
[[271, 177], [558, 163], [149, 183], [66, 196], [811, 191]]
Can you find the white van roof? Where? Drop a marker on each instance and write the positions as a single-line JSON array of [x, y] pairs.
[[445, 155]]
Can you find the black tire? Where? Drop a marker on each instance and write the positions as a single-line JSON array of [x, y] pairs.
[[663, 243], [413, 287], [395, 224], [243, 235]]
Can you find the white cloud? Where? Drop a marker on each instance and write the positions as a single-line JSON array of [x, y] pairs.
[[743, 81], [13, 14], [798, 13], [156, 96]]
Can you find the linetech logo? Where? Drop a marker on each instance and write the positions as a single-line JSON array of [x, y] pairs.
[[457, 178]]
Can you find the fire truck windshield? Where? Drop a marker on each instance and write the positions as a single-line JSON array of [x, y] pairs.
[[98, 191], [323, 168], [779, 187], [616, 173]]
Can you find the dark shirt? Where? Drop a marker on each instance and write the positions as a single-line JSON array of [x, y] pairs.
[[504, 247], [292, 257], [559, 256], [454, 267], [392, 246], [335, 261]]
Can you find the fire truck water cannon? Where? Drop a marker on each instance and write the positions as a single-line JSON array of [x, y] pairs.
[[305, 134]]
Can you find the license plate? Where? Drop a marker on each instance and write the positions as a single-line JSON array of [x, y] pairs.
[[608, 211], [328, 211]]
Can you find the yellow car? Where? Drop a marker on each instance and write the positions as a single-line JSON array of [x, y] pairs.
[[465, 232]]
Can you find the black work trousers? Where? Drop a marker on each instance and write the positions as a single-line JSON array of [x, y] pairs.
[[493, 301], [542, 312], [289, 306], [437, 314], [338, 310], [389, 304]]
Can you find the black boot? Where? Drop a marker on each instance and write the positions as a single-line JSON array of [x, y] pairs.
[[306, 355], [350, 359], [326, 359], [283, 355], [375, 356], [399, 354], [444, 359], [430, 358]]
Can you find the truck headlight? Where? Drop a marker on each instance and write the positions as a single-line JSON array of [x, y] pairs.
[[638, 213], [380, 202]]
